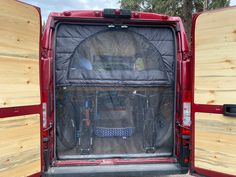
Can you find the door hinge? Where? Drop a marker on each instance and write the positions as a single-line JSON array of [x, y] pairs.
[[49, 127]]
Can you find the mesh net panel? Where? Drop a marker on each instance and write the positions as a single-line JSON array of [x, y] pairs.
[[114, 91], [127, 120]]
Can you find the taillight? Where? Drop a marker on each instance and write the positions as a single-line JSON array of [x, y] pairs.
[[186, 160], [186, 119], [187, 114], [185, 131], [44, 114]]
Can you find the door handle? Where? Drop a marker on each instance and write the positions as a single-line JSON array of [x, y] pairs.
[[229, 110]]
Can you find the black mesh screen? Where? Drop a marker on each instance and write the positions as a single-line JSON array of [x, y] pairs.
[[114, 91], [127, 120]]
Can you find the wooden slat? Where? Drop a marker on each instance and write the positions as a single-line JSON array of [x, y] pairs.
[[215, 97], [19, 54], [215, 142], [215, 57], [19, 84], [20, 145]]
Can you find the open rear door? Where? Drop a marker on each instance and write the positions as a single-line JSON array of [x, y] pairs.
[[214, 76], [20, 102]]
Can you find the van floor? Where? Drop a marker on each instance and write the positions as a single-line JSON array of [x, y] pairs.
[[117, 145]]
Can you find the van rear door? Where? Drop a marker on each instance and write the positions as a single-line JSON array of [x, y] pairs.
[[214, 93], [20, 102]]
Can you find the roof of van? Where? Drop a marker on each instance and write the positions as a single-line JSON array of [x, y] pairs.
[[99, 14]]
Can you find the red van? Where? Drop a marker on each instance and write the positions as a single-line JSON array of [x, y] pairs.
[[116, 93]]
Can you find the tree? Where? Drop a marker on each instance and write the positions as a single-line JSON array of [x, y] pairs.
[[205, 7], [187, 17], [201, 5], [43, 26], [182, 8]]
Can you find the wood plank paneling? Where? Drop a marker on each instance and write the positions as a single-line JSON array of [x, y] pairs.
[[215, 142], [19, 54], [20, 145], [215, 84], [215, 57]]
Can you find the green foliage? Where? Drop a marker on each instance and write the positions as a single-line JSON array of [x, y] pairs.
[[131, 5], [181, 8], [214, 4], [170, 7]]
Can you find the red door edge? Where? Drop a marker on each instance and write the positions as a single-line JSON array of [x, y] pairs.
[[216, 109]]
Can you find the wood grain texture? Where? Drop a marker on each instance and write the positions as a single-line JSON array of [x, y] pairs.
[[19, 54], [20, 146], [215, 57], [215, 142]]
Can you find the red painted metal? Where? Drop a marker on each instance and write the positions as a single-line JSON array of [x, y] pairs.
[[47, 85], [216, 109], [19, 111], [115, 161], [94, 14], [204, 108]]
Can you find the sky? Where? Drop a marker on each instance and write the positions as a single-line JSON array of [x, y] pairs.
[[48, 6]]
